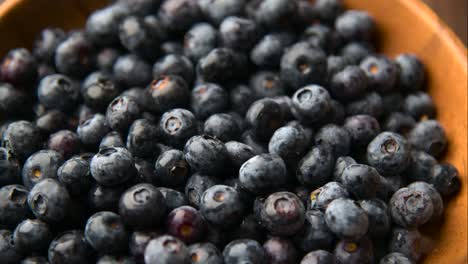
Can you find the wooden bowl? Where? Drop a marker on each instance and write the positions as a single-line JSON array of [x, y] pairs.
[[404, 26]]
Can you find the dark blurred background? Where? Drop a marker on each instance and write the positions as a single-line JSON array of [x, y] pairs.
[[454, 13]]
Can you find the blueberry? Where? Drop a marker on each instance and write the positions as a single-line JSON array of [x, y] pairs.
[[389, 153], [145, 171], [392, 102], [208, 99], [142, 138], [51, 122], [9, 168], [381, 72], [11, 100], [238, 153], [112, 166], [142, 206], [280, 251], [103, 227], [8, 253], [200, 40], [22, 138], [75, 56], [179, 15], [110, 259], [166, 249], [222, 126], [139, 37], [34, 260], [399, 123], [32, 236], [196, 185], [428, 136], [244, 251], [379, 217], [341, 164], [361, 180], [205, 253], [112, 139], [389, 185], [355, 52], [303, 64], [177, 126], [264, 172], [249, 138], [185, 223], [41, 165], [221, 206], [265, 116], [102, 198], [445, 178], [140, 7], [408, 242], [93, 130], [362, 129], [205, 154], [346, 219], [217, 10], [354, 25], [290, 143], [411, 207], [395, 258], [328, 10], [238, 33], [64, 142], [266, 84], [349, 83], [81, 114], [336, 137], [337, 113], [171, 168], [432, 192], [318, 35], [130, 70], [13, 205], [315, 234], [70, 247], [99, 89], [138, 242], [102, 26], [274, 13], [249, 228], [19, 68], [173, 198], [420, 166], [106, 59], [323, 196], [361, 251], [221, 65], [412, 72], [48, 200], [269, 50], [316, 167], [173, 64], [311, 104], [419, 105], [46, 43], [286, 104], [121, 113], [336, 64], [371, 104], [318, 257]]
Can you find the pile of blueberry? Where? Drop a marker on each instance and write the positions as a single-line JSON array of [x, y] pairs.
[[218, 131]]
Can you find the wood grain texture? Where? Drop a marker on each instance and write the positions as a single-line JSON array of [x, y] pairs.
[[404, 26]]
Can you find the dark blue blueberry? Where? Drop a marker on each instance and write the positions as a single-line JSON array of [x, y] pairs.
[[346, 219], [19, 68], [361, 180], [371, 104], [106, 59], [395, 258], [130, 70], [32, 236], [264, 117], [177, 126], [382, 73], [249, 228], [70, 247], [196, 185], [315, 234], [13, 205], [41, 165], [266, 84], [102, 198], [354, 252], [112, 139], [269, 50], [145, 171], [46, 42], [428, 136], [280, 251], [355, 52], [362, 129], [319, 256], [208, 99], [389, 185], [262, 173], [142, 138], [92, 131], [140, 37], [241, 98], [111, 259], [206, 154], [315, 169], [75, 175], [140, 96], [22, 138], [171, 168], [412, 72], [200, 40], [389, 153], [341, 164], [9, 168], [274, 13], [318, 35], [419, 105], [102, 26], [303, 64], [336, 137], [64, 142], [112, 166], [249, 138], [204, 253], [407, 242], [286, 104], [49, 200], [349, 83], [167, 92], [392, 102], [173, 64], [328, 11], [420, 167], [173, 198], [166, 249], [121, 113], [222, 126], [34, 260], [311, 104], [335, 65], [320, 198], [379, 217], [244, 251], [138, 242], [221, 65], [432, 192], [218, 10], [8, 253], [75, 56], [142, 206], [238, 33], [411, 207], [51, 122], [445, 178], [12, 100], [179, 15], [106, 233], [98, 90], [186, 223], [140, 7], [290, 143], [399, 123], [222, 206], [354, 25], [239, 153]]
